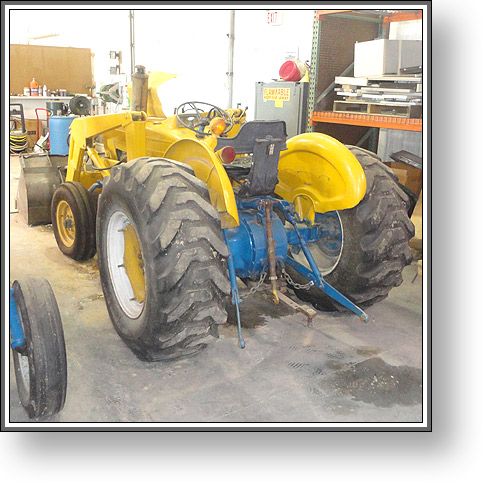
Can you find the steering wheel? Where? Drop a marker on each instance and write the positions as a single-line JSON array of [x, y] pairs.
[[196, 116]]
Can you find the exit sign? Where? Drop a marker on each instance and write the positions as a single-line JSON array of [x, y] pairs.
[[274, 17]]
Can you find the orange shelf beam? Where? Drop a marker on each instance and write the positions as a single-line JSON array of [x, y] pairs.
[[320, 13], [403, 16], [368, 120]]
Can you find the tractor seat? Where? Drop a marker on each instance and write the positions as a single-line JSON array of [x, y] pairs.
[[263, 140]]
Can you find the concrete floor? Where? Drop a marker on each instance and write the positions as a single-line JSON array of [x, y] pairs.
[[340, 370]]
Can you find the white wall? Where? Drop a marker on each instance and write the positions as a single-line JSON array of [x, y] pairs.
[[195, 47], [260, 48], [191, 44]]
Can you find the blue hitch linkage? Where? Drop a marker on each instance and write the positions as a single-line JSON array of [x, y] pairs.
[[315, 276], [97, 185], [235, 293], [17, 337]]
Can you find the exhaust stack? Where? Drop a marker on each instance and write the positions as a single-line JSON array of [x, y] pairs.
[[140, 89]]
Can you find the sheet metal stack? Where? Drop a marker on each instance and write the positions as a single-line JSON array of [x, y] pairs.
[[391, 95]]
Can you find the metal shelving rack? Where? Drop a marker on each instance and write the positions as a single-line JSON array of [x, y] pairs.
[[367, 120], [329, 23]]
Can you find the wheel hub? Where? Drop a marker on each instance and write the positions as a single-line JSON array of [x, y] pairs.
[[126, 264], [327, 251], [133, 263], [65, 222]]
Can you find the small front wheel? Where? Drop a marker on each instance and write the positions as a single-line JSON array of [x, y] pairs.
[[40, 365], [74, 220]]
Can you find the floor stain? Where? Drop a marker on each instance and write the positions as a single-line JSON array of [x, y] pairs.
[[89, 268], [254, 310], [248, 318], [335, 365], [338, 354], [367, 351], [89, 299], [375, 381]]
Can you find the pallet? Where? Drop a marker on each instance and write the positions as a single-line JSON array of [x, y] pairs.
[[406, 110]]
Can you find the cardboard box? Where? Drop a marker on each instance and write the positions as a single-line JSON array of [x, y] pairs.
[[31, 132], [408, 175], [385, 57]]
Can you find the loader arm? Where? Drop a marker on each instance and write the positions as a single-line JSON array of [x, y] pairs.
[[84, 129]]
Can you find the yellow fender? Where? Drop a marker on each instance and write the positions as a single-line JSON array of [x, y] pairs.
[[318, 174], [208, 168]]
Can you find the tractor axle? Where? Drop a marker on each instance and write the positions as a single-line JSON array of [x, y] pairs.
[[268, 228]]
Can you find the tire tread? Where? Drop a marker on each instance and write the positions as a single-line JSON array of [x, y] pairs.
[[377, 234], [189, 255]]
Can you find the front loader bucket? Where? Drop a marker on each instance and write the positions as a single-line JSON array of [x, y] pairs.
[[39, 178]]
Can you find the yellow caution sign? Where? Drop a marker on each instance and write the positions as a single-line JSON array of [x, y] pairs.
[[278, 95]]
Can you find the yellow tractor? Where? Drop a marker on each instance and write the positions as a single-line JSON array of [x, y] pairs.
[[181, 207]]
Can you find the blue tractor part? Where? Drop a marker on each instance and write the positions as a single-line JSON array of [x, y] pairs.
[[251, 252], [17, 336], [248, 243]]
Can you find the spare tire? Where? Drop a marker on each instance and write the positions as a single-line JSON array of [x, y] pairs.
[[40, 366], [375, 244]]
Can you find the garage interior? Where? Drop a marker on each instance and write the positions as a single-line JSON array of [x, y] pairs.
[[353, 75]]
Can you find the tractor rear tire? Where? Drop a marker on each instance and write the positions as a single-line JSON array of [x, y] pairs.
[[72, 203], [376, 236], [41, 366], [182, 254]]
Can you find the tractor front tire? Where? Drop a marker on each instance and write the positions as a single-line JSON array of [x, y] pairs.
[[73, 220], [162, 259], [376, 236]]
